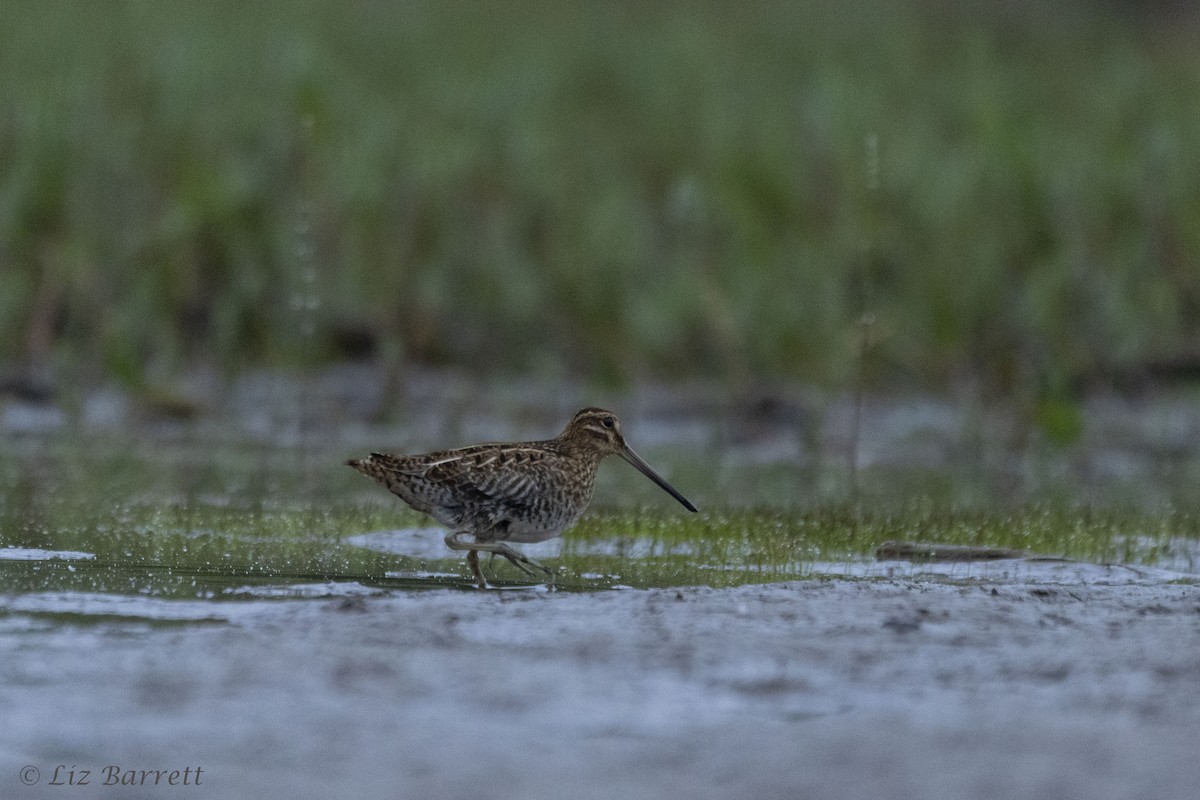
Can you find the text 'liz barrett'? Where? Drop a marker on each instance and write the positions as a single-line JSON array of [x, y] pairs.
[[113, 775]]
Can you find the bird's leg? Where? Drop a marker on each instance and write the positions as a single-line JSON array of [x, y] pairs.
[[452, 541], [518, 560], [473, 563]]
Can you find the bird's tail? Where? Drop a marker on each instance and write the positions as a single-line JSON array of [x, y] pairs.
[[376, 465]]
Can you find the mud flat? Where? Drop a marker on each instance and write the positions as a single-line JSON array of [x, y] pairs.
[[1039, 685]]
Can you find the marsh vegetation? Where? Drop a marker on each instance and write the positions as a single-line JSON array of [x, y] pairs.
[[617, 192]]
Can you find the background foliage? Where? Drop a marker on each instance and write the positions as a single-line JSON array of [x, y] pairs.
[[619, 189]]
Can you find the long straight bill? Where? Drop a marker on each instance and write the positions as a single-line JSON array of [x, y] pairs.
[[644, 468]]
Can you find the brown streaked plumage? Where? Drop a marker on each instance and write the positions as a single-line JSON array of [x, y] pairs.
[[501, 493]]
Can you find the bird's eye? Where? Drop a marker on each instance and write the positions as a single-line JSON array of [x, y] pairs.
[[608, 422]]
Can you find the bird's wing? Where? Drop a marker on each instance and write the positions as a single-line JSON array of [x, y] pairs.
[[508, 476]]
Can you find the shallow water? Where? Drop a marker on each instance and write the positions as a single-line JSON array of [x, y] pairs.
[[252, 501], [223, 593]]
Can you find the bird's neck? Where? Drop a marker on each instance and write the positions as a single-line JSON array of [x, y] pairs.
[[579, 451]]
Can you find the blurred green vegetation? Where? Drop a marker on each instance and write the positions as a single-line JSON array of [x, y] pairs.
[[617, 189]]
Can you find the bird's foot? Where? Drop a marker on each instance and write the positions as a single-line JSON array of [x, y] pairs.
[[524, 562]]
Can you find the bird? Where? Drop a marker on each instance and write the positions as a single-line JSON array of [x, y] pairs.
[[500, 493]]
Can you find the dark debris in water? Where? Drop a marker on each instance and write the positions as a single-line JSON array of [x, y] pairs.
[[930, 551]]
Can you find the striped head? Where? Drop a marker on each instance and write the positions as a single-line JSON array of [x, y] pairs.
[[596, 430]]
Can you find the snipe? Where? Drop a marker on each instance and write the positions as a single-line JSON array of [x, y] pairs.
[[501, 493]]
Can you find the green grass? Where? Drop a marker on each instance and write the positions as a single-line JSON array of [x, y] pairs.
[[209, 552], [223, 520], [614, 190]]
